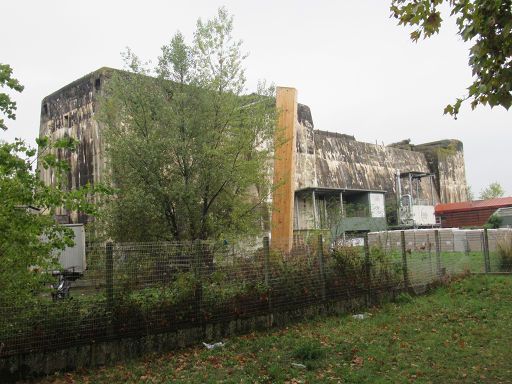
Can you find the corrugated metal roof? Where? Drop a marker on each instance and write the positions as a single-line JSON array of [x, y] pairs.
[[474, 205]]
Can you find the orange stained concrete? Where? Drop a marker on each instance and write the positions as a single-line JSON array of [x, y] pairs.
[[284, 169]]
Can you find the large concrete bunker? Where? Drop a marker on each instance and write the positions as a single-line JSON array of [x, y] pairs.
[[328, 180]]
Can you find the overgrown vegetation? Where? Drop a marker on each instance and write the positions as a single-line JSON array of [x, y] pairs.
[[458, 334], [166, 287], [29, 235], [152, 294], [188, 148], [493, 222]]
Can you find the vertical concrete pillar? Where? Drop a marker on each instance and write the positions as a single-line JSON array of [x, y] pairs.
[[284, 169]]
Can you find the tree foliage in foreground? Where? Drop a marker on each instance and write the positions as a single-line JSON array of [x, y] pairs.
[[7, 105], [487, 26], [493, 191], [188, 151], [28, 239]]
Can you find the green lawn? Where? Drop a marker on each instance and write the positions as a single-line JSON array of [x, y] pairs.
[[459, 334]]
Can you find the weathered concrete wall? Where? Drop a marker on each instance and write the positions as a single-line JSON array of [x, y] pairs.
[[304, 214], [323, 159], [333, 160], [446, 160], [69, 112], [305, 159]]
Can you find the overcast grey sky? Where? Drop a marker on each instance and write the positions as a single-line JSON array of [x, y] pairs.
[[353, 66]]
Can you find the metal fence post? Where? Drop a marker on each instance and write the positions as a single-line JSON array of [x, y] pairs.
[[266, 267], [109, 283], [487, 261], [438, 252], [109, 273], [482, 248], [266, 257], [466, 245], [367, 269], [198, 287], [429, 248], [321, 265], [404, 260]]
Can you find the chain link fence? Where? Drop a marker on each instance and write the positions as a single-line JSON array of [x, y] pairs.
[[140, 289]]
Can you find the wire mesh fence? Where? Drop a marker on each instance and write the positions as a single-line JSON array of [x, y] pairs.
[[138, 289]]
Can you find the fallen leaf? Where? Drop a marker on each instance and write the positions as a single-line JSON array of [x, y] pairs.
[[357, 361]]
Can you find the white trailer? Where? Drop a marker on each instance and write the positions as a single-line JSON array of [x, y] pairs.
[[72, 259]]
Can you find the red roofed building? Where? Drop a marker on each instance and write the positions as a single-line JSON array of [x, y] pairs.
[[469, 213]]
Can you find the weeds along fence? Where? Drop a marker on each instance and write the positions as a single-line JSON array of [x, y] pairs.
[[140, 289]]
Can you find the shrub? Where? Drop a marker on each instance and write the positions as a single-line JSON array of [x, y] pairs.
[[345, 272], [294, 281], [347, 258], [493, 222], [386, 267]]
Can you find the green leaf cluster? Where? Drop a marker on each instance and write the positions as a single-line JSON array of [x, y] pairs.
[[493, 222], [7, 105], [492, 191]]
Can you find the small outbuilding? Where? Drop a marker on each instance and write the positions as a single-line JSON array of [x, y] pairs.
[[469, 213]]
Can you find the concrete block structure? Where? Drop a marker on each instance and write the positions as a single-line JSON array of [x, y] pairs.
[[69, 112], [342, 184], [327, 180]]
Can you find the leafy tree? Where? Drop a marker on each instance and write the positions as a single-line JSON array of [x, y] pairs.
[[188, 151], [493, 191], [470, 193], [487, 25], [7, 106], [27, 239]]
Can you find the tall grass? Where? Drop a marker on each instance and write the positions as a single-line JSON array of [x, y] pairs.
[[504, 249]]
